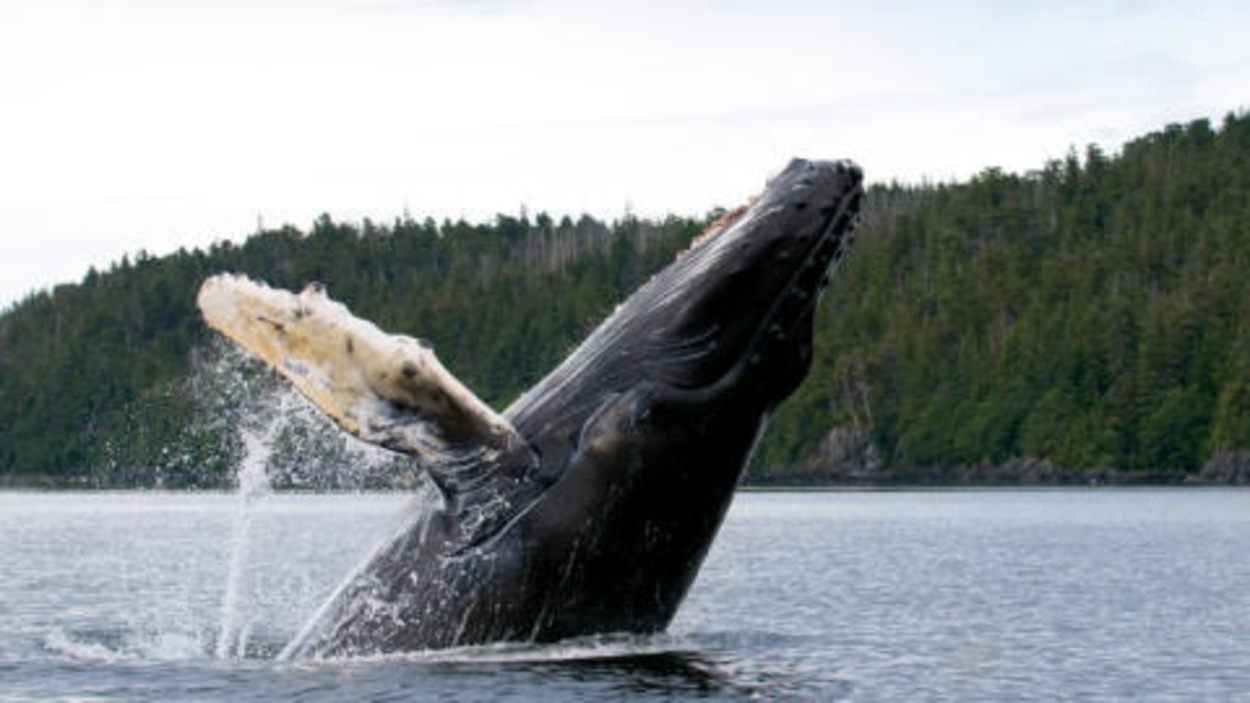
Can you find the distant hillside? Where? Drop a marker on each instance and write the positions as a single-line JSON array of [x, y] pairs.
[[1087, 321], [104, 382]]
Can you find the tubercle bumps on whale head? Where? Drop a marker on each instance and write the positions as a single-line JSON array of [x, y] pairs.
[[747, 287]]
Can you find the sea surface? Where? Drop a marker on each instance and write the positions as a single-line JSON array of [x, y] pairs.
[[1086, 595]]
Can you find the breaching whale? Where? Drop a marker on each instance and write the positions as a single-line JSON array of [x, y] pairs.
[[588, 505]]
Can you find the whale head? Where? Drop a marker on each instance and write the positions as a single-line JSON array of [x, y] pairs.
[[740, 302], [728, 324]]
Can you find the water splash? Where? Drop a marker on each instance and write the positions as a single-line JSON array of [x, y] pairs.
[[253, 485], [274, 439], [238, 397]]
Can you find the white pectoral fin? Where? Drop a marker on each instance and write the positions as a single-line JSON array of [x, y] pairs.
[[386, 389]]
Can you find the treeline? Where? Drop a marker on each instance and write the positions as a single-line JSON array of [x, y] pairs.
[[1093, 315], [1088, 320], [111, 381]]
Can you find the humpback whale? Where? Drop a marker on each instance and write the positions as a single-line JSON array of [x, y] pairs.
[[588, 505]]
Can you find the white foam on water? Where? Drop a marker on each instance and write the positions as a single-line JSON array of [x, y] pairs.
[[61, 643], [152, 646], [610, 646], [595, 647]]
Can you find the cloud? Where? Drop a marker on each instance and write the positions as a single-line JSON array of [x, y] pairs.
[[134, 124]]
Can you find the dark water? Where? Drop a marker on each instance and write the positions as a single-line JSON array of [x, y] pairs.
[[1052, 595]]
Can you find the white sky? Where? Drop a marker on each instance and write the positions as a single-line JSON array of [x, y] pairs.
[[154, 124]]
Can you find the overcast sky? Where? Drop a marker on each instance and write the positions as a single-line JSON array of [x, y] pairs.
[[164, 123]]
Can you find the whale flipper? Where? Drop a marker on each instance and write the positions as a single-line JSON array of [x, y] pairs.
[[390, 390]]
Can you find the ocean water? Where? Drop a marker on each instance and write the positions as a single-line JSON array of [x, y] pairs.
[[1139, 595]]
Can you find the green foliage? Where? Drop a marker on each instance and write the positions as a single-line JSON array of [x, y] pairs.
[[1095, 313], [1092, 313], [97, 378]]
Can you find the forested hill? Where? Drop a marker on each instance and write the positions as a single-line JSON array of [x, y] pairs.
[[1086, 321]]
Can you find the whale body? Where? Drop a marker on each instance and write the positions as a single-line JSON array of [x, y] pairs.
[[588, 505]]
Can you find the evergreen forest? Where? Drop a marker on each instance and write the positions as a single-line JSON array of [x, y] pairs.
[[1087, 321]]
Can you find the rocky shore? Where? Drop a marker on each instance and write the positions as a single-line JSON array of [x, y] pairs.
[[848, 457]]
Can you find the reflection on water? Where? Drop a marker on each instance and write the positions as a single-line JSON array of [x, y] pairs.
[[823, 596]]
